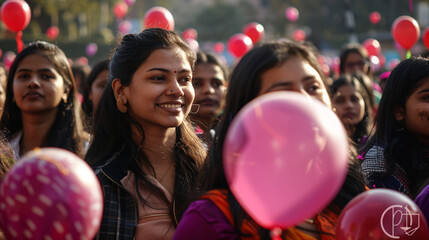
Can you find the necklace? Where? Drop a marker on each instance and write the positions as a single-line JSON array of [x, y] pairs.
[[165, 174]]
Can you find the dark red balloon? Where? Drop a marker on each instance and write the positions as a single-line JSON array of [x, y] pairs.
[[372, 46], [158, 17], [239, 44], [190, 33], [15, 14], [120, 9], [381, 214], [219, 47], [52, 32], [374, 17], [425, 37], [255, 31], [406, 31], [298, 35]]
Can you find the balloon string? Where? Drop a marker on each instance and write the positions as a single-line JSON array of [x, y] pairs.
[[19, 43], [410, 3], [408, 54]]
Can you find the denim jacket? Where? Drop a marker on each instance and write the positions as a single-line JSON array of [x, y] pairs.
[[120, 211]]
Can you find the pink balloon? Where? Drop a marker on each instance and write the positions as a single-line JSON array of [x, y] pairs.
[[120, 9], [52, 32], [91, 49], [124, 27], [298, 35], [406, 31], [193, 44], [190, 33], [374, 17], [239, 44], [8, 58], [82, 61], [129, 2], [50, 194], [285, 158], [219, 47], [292, 14], [158, 17], [372, 46], [255, 31]]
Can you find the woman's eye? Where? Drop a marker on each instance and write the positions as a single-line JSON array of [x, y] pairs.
[[312, 89], [158, 78], [46, 76], [23, 76], [196, 84], [217, 84], [185, 79]]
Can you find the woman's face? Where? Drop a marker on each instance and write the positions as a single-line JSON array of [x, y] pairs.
[[97, 88], [37, 86], [297, 75], [349, 105], [3, 83], [209, 85], [161, 93], [354, 63], [416, 112]]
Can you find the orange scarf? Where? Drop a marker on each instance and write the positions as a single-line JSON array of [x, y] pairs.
[[326, 221]]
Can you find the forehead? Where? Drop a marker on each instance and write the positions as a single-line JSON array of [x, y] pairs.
[[353, 56], [292, 68], [167, 57], [208, 68]]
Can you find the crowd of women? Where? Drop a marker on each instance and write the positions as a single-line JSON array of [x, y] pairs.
[[156, 114]]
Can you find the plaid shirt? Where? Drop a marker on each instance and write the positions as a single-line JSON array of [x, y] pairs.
[[374, 169], [120, 212]]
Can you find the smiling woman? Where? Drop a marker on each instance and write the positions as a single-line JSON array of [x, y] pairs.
[[144, 149], [41, 109]]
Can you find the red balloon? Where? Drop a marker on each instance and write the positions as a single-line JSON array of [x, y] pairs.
[[158, 17], [425, 37], [406, 31], [219, 47], [374, 17], [15, 14], [239, 44], [52, 32], [372, 46], [190, 33], [120, 9], [255, 31], [381, 214], [298, 35]]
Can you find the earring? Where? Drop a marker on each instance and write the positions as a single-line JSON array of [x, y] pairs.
[[121, 106], [196, 111]]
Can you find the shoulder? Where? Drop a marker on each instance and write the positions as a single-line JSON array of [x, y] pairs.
[[374, 161], [204, 220]]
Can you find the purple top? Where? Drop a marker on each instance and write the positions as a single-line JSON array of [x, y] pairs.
[[422, 200], [204, 220]]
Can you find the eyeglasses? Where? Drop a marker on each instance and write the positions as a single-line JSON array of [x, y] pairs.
[[359, 64]]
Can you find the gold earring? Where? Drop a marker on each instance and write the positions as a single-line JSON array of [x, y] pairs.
[[121, 106]]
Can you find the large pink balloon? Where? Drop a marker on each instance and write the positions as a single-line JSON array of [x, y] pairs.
[[381, 214], [292, 14], [158, 17], [239, 44], [255, 31], [285, 158], [50, 194]]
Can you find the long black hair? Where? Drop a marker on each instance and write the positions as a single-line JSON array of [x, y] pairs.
[[400, 145], [66, 131], [244, 86], [112, 128], [363, 128]]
